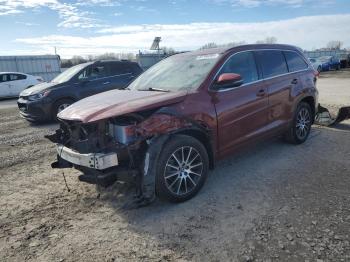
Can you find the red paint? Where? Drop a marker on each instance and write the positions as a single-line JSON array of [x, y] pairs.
[[235, 117]]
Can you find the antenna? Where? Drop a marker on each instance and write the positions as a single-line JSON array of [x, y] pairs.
[[155, 44]]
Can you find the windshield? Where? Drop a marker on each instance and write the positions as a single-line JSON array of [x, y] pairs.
[[68, 74], [178, 72]]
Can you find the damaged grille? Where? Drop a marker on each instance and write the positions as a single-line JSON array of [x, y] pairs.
[[85, 138]]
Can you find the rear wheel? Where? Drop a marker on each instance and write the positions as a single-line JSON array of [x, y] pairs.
[[182, 169], [301, 126], [59, 106]]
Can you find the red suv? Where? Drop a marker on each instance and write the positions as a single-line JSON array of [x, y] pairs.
[[179, 117]]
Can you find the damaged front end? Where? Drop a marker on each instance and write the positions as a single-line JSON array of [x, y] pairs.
[[122, 148]]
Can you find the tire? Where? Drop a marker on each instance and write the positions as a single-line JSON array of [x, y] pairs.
[[59, 106], [301, 125], [338, 67], [176, 181], [319, 69]]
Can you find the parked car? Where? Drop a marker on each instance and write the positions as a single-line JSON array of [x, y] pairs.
[[44, 101], [179, 117], [329, 62], [13, 83], [316, 64]]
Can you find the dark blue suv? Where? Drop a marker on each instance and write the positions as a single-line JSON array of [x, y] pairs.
[[43, 101]]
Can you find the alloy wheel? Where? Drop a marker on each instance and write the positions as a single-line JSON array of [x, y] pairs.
[[183, 170], [62, 107], [303, 123]]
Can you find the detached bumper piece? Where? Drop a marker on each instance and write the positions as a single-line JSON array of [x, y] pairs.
[[98, 161], [324, 117]]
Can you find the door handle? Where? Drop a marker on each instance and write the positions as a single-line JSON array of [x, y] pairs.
[[106, 83], [294, 81], [261, 92]]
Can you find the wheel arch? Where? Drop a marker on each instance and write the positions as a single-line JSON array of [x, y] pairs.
[[202, 137], [311, 102]]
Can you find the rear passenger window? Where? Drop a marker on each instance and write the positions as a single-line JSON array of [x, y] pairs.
[[272, 63], [295, 61], [244, 65], [120, 68]]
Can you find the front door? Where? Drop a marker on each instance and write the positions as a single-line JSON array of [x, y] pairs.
[[93, 80], [17, 83], [241, 111]]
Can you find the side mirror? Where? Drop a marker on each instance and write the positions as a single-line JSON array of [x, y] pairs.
[[228, 80]]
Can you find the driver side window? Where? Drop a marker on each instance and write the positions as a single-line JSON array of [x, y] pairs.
[[244, 65]]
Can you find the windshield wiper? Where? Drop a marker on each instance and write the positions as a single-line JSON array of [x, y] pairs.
[[154, 89]]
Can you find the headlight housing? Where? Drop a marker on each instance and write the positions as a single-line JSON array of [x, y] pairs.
[[38, 96]]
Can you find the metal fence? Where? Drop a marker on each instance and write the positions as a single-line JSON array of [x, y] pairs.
[[46, 66], [341, 54]]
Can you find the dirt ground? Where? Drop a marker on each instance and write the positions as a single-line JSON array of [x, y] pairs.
[[273, 202]]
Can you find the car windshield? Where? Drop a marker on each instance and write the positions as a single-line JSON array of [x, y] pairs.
[[68, 74], [178, 72]]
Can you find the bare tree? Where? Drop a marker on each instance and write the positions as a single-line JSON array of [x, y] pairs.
[[335, 45], [268, 40], [168, 50], [208, 46]]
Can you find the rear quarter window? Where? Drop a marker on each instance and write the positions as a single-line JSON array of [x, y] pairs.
[[295, 61], [272, 63]]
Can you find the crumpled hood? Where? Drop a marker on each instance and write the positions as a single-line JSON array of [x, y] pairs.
[[38, 88], [118, 102]]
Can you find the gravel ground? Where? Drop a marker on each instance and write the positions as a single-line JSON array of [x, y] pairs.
[[272, 202]]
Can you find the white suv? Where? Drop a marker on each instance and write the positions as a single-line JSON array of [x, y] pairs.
[[13, 83]]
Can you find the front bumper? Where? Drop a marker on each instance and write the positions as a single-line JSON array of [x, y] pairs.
[[34, 110], [98, 161]]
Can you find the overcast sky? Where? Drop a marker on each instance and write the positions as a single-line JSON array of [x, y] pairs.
[[85, 27]]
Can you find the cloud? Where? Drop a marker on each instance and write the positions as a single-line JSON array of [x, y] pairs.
[[257, 3], [306, 32], [70, 15]]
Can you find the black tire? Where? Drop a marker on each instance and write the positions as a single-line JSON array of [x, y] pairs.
[[186, 149], [58, 106], [319, 69], [294, 134]]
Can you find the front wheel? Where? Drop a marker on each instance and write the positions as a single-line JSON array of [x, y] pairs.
[[182, 169], [301, 125], [59, 106]]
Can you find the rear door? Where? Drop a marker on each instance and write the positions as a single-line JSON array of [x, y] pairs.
[[121, 74], [241, 111], [4, 86], [279, 84]]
